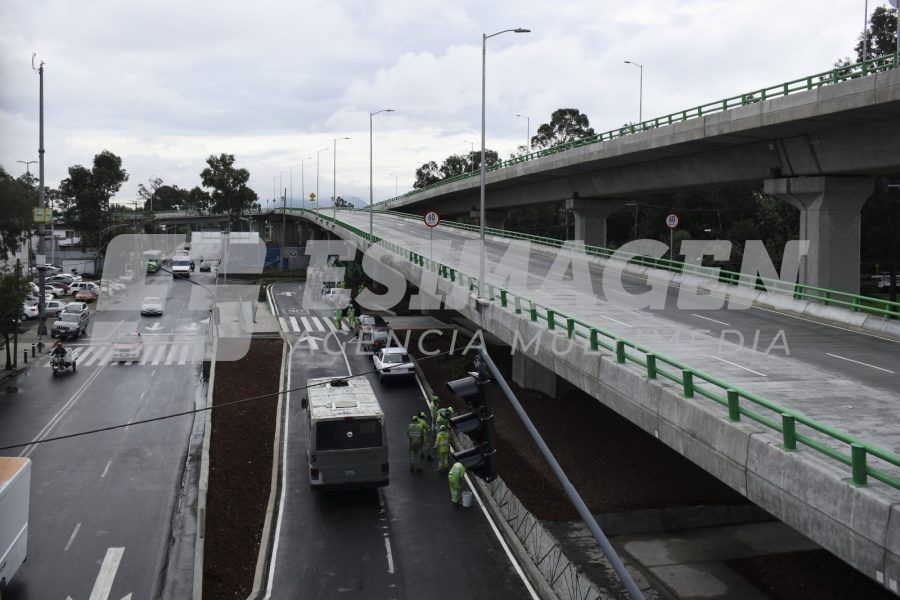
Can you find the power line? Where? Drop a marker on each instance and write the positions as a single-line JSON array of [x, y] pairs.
[[204, 409]]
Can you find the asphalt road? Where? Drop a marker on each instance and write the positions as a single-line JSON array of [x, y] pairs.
[[102, 505], [403, 541]]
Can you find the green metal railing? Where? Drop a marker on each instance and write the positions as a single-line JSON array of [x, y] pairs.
[[854, 302], [804, 84], [793, 426]]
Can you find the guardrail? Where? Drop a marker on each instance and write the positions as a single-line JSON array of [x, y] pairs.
[[800, 291], [804, 84], [852, 451]]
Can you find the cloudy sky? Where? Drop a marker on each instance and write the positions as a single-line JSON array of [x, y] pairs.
[[165, 84]]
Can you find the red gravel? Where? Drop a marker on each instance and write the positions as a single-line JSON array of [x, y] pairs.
[[240, 469]]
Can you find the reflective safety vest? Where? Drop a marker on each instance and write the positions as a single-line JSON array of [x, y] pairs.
[[442, 440], [443, 418], [415, 432], [457, 471]]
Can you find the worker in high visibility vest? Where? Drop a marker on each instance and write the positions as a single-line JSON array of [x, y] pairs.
[[454, 478], [442, 446], [428, 440], [443, 417], [415, 433]]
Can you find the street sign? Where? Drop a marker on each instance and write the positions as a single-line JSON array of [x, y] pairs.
[[312, 197], [672, 220], [432, 219], [41, 215]]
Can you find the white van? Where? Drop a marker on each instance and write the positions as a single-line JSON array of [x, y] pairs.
[[181, 266], [347, 441], [15, 486]]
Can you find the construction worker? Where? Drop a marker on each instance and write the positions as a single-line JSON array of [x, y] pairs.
[[433, 409], [454, 478], [428, 438], [351, 316], [338, 317], [415, 433], [443, 417], [442, 446]]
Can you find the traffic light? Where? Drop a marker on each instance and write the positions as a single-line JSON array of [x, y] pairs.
[[478, 424]]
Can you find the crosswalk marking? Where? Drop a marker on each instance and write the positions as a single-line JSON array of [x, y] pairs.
[[294, 325], [306, 325], [158, 356], [182, 360], [284, 325], [311, 324], [171, 356], [153, 354]]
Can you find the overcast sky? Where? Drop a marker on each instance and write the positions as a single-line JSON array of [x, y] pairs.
[[165, 84]]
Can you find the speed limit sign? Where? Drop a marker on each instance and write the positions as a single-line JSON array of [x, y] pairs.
[[432, 218], [672, 220]]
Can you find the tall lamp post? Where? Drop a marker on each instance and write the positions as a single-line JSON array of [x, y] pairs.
[[484, 39], [371, 192], [641, 92], [318, 199], [396, 184], [27, 164], [527, 131], [303, 182], [334, 178]]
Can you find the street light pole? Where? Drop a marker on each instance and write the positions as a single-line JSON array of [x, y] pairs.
[[484, 39], [42, 316], [641, 93], [396, 184], [371, 191], [527, 131], [334, 178], [27, 164], [318, 199], [303, 182]]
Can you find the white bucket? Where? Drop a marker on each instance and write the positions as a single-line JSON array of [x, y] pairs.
[[466, 498]]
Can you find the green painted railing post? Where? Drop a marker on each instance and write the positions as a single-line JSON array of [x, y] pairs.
[[687, 382], [490, 292], [858, 461], [518, 304], [570, 327], [595, 344], [734, 405], [503, 298], [452, 275], [551, 319], [651, 366], [788, 432], [855, 304], [620, 351], [533, 310], [826, 296]]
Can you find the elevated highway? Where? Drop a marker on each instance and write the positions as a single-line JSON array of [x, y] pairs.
[[796, 413]]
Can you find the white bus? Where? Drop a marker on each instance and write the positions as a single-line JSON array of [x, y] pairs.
[[347, 441]]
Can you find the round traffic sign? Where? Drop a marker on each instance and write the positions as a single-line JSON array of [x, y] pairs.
[[432, 218], [672, 220], [312, 196]]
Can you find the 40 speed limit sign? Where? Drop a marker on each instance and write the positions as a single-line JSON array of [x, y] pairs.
[[432, 219]]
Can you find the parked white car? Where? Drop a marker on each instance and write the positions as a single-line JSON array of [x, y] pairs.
[[29, 311], [393, 362]]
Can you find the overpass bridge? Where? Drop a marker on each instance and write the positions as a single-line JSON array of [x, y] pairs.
[[808, 431], [817, 142]]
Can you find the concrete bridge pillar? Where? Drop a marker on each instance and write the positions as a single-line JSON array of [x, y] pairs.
[[590, 218], [830, 220]]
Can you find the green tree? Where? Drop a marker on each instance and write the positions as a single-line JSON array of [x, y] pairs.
[[13, 287], [146, 193], [230, 194], [197, 201], [17, 199], [86, 195], [427, 174], [566, 125], [882, 30]]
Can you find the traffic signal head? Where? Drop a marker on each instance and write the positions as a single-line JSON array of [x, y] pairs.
[[479, 461], [465, 388]]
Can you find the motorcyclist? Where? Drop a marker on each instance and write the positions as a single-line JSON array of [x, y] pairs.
[[58, 350]]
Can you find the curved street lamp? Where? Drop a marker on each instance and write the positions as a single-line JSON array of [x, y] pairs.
[[641, 92]]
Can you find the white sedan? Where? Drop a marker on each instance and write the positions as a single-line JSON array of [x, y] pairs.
[[393, 362], [128, 346], [152, 306]]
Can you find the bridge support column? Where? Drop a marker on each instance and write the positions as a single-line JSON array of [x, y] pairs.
[[590, 218], [830, 220], [531, 375]]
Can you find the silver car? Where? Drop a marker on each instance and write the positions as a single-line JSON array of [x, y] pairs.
[[151, 306]]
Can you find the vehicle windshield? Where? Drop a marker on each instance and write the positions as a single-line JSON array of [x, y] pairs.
[[348, 435], [151, 300], [395, 358], [70, 317], [128, 338], [181, 263], [380, 334]]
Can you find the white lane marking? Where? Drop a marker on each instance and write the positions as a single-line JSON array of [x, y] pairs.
[[284, 324], [105, 356], [708, 319], [170, 358], [148, 351], [90, 355], [390, 556], [859, 363], [319, 326], [313, 344], [490, 521], [295, 326], [158, 356], [182, 359], [197, 354], [615, 321], [306, 324], [108, 569], [330, 323], [739, 366], [343, 348], [105, 470], [284, 476], [26, 452], [72, 537]]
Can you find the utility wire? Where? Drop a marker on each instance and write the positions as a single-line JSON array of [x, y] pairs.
[[206, 408]]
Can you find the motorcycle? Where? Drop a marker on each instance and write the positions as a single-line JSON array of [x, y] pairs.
[[60, 362]]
